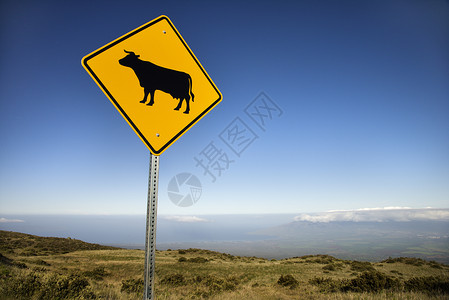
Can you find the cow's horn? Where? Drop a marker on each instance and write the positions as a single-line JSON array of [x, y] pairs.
[[130, 52]]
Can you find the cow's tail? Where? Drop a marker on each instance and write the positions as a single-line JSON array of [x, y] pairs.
[[190, 89]]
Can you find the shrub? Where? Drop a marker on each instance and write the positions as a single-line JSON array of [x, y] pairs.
[[435, 265], [288, 281], [330, 267], [9, 262], [25, 286], [362, 266], [369, 282], [182, 259], [226, 256], [4, 272], [20, 265], [429, 284], [217, 284], [66, 287], [132, 286], [373, 281], [326, 284], [33, 286], [42, 262], [319, 259], [406, 260], [97, 273], [396, 272], [40, 269], [174, 280], [197, 260], [324, 259], [5, 260]]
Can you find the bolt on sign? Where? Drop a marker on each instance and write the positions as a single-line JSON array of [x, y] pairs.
[[155, 81]]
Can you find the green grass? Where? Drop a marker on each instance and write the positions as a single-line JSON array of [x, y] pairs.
[[111, 273]]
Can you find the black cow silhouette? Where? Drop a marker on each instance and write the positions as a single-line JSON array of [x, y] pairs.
[[153, 77]]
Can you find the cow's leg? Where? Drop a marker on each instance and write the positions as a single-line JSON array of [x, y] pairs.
[[179, 104], [146, 91], [152, 98], [188, 106]]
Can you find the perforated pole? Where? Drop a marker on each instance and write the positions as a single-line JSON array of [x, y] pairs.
[[150, 240]]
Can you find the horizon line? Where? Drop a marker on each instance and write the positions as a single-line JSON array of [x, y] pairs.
[[390, 208]]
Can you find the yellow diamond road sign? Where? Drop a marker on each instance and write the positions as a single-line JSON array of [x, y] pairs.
[[155, 81]]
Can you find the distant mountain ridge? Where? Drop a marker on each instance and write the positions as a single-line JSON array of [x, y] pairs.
[[364, 240], [335, 229]]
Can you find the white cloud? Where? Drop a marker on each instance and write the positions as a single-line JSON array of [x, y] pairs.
[[5, 220], [185, 219], [385, 214]]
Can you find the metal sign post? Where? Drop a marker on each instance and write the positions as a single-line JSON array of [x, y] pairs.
[[150, 240]]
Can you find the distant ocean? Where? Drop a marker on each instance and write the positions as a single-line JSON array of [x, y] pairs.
[[129, 230], [270, 236]]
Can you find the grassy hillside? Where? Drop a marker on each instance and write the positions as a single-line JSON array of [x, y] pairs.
[[31, 245], [81, 272]]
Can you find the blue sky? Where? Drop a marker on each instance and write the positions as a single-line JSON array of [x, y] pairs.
[[362, 85]]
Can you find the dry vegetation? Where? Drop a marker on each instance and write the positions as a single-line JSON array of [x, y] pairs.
[[27, 271]]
